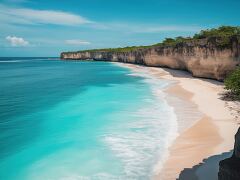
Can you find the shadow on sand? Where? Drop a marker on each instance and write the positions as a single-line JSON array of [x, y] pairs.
[[207, 170]]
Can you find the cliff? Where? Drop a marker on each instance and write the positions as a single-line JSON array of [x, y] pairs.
[[203, 57], [229, 169]]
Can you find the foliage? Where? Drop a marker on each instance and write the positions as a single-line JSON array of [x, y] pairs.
[[232, 82], [223, 31], [169, 41], [123, 49], [222, 34], [175, 41]]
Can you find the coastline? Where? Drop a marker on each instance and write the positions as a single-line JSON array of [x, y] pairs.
[[213, 126]]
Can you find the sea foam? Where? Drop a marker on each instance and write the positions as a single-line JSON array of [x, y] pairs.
[[143, 148]]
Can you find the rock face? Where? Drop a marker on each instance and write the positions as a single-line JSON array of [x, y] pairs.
[[229, 169], [203, 58]]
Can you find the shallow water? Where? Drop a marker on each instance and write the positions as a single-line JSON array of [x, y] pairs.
[[80, 120]]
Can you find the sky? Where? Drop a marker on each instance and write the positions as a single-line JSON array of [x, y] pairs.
[[45, 28]]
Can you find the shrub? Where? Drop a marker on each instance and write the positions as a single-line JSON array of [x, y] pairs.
[[223, 31], [232, 82]]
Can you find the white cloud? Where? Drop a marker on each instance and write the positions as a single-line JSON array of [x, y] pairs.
[[33, 16], [10, 15], [77, 42], [17, 41]]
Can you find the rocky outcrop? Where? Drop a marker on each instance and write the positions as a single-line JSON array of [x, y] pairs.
[[229, 169], [203, 58]]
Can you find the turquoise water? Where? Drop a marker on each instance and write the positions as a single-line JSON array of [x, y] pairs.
[[72, 120]]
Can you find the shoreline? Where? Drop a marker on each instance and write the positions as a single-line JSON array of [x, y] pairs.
[[211, 132]]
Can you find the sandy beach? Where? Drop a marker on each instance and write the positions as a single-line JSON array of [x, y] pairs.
[[213, 131]]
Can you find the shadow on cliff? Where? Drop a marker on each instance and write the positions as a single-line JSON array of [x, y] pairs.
[[186, 74], [207, 170]]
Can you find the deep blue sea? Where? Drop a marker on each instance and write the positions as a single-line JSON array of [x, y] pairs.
[[72, 120]]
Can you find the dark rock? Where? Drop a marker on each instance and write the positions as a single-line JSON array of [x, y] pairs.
[[229, 169]]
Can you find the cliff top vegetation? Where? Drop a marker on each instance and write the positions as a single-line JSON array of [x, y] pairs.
[[221, 35]]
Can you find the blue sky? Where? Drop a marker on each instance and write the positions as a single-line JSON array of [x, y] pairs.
[[48, 27]]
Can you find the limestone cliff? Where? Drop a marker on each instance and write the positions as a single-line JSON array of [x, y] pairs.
[[203, 57]]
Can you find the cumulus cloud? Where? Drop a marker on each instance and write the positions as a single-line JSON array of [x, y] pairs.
[[17, 41], [77, 42], [34, 16]]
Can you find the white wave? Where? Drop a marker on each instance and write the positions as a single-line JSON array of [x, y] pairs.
[[27, 60], [147, 149], [144, 145], [145, 142], [12, 61]]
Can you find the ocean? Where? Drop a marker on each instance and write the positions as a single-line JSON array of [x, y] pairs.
[[73, 120]]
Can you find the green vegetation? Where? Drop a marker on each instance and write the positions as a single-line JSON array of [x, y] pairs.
[[221, 36], [124, 49], [223, 31], [232, 83], [175, 41]]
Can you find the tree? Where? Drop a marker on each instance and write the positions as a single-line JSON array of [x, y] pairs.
[[169, 41]]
